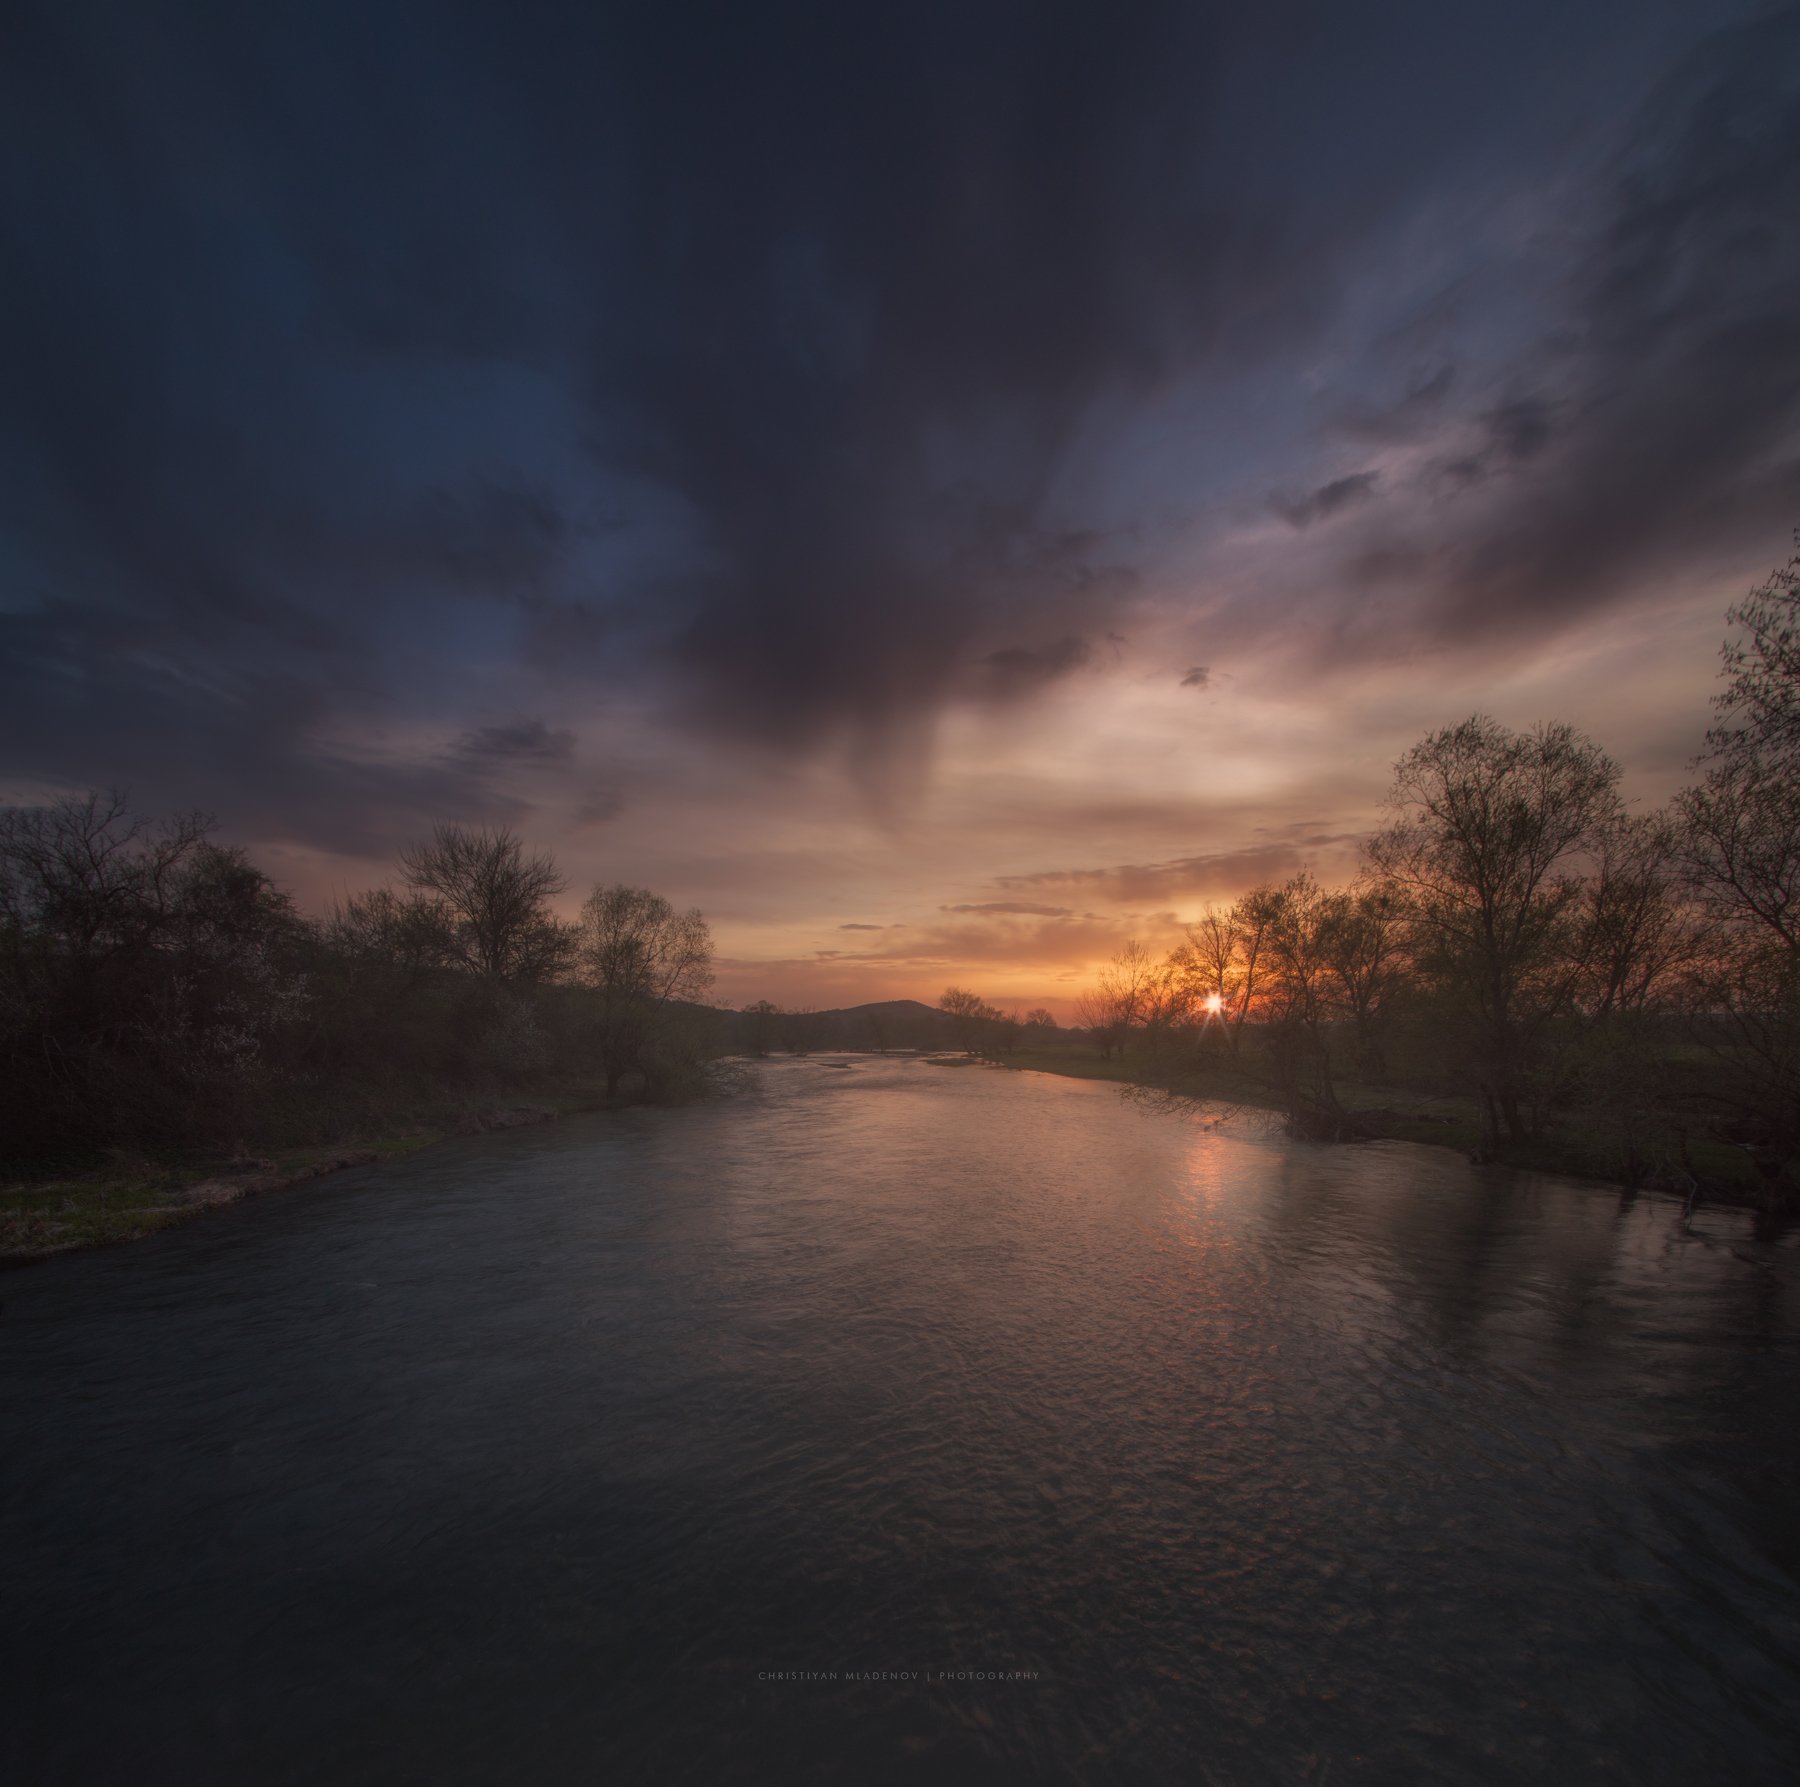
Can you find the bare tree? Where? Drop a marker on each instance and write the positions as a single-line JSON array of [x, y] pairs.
[[144, 971], [497, 898], [1490, 830], [967, 1013], [1739, 843], [1210, 963], [1221, 962], [1738, 847], [1637, 928], [639, 956], [1094, 1016], [1759, 706], [1363, 938], [407, 934], [1298, 982]]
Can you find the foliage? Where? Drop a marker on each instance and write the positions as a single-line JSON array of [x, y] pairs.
[[158, 994], [639, 957]]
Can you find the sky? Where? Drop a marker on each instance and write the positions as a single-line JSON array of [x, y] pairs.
[[943, 489]]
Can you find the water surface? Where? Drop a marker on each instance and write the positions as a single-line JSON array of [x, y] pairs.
[[572, 1454]]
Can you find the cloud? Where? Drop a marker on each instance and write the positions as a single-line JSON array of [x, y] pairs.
[[1047, 942], [527, 740], [1301, 512], [1402, 419], [1652, 431], [1019, 670], [1011, 908], [1186, 876], [1197, 678], [862, 927]]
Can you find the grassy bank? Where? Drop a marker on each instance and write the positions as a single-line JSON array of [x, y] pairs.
[[1575, 1147], [130, 1198]]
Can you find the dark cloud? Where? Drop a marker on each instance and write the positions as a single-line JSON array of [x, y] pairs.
[[532, 741], [1022, 670], [1660, 431], [1328, 500], [862, 927], [1400, 419], [757, 365], [253, 744], [1197, 678]]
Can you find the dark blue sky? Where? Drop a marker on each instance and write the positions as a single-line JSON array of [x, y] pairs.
[[651, 424]]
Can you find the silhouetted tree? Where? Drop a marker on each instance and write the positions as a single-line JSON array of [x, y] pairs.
[[1738, 846], [145, 973], [1298, 987], [639, 956], [759, 1026], [966, 1012], [1362, 935], [496, 901], [1490, 832]]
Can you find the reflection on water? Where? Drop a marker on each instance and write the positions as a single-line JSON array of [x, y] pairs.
[[532, 1458]]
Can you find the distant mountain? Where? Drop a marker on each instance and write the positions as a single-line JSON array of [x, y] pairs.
[[879, 1024], [896, 1008]]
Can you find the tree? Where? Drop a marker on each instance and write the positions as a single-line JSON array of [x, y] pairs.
[[407, 935], [1040, 1021], [967, 1013], [144, 971], [759, 1025], [1116, 1004], [1362, 935], [1490, 828], [496, 901], [1636, 929], [1094, 1015], [1222, 959], [1738, 847], [1210, 965], [1297, 976], [639, 956], [1759, 706]]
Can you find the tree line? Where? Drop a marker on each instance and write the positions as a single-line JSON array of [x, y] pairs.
[[1518, 935], [159, 992]]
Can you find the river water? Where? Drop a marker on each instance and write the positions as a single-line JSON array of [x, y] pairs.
[[1152, 1448]]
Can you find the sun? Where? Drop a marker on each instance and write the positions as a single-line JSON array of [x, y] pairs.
[[1213, 1005]]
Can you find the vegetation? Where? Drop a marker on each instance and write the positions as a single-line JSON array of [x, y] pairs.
[[165, 1010], [1568, 983]]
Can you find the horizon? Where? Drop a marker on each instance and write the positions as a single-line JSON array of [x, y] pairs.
[[943, 512]]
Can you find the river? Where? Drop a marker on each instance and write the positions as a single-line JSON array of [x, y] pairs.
[[1150, 1447]]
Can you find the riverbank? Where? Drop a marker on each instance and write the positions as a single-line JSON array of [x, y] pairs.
[[1725, 1173], [134, 1198]]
